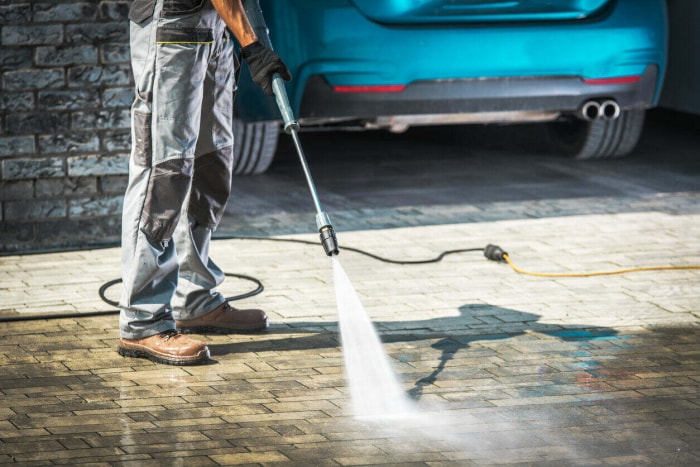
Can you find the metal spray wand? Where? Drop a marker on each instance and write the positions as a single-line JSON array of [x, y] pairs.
[[291, 127]]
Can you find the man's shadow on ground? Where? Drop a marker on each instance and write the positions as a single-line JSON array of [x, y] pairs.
[[476, 322]]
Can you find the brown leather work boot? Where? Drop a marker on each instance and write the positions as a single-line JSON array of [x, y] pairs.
[[224, 319], [169, 347]]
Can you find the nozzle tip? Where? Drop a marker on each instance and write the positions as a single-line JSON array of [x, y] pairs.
[[329, 242]]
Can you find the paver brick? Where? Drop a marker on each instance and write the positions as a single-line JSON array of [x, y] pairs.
[[249, 458]]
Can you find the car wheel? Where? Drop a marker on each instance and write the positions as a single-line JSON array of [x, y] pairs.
[[254, 146], [597, 139]]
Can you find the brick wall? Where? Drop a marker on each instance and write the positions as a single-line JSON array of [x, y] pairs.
[[65, 92]]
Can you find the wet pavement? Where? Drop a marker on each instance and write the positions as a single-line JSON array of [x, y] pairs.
[[504, 368]]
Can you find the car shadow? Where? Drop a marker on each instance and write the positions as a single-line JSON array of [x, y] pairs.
[[454, 334]]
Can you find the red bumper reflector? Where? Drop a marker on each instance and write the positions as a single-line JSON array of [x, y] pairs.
[[618, 80], [376, 88]]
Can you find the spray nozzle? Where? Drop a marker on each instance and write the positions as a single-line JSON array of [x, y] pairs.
[[328, 240], [325, 228]]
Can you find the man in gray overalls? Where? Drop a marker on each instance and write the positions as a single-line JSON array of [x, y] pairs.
[[180, 172]]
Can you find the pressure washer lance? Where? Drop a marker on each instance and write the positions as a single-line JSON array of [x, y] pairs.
[[291, 127]]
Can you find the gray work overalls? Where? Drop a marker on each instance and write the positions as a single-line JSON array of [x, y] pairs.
[[180, 166]]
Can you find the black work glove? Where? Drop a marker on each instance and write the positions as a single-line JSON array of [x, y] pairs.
[[263, 63]]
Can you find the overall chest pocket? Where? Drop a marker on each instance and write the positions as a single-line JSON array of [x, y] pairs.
[[173, 8]]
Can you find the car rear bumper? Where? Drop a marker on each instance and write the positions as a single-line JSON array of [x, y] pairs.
[[457, 68], [322, 102]]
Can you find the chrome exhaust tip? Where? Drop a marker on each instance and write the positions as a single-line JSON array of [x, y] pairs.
[[605, 110], [590, 111], [609, 110]]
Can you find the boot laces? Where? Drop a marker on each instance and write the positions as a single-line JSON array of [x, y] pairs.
[[169, 333]]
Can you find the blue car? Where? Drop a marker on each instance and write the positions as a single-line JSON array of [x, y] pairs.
[[587, 69]]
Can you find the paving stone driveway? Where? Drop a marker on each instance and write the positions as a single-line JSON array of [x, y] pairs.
[[504, 368]]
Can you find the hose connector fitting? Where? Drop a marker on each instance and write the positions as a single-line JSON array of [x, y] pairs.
[[494, 252]]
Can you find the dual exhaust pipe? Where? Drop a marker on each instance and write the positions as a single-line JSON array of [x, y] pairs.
[[603, 110]]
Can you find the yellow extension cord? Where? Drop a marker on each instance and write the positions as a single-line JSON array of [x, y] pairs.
[[597, 273]]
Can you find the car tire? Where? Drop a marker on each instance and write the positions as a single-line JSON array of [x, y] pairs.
[[254, 146], [597, 139]]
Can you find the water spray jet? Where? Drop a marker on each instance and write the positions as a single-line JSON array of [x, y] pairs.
[[375, 392]]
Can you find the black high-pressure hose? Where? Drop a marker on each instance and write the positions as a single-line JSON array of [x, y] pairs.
[[103, 289], [436, 259], [259, 286]]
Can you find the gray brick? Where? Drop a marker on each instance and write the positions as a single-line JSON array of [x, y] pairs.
[[110, 75], [96, 33], [15, 14], [16, 101], [113, 184], [116, 11], [18, 169], [16, 145], [97, 165], [66, 55], [102, 120], [118, 97], [21, 80], [56, 101], [21, 189], [45, 188], [35, 209], [70, 142], [30, 123], [85, 232], [115, 53], [95, 207], [32, 34], [16, 58], [69, 100], [117, 140], [64, 12], [15, 232]]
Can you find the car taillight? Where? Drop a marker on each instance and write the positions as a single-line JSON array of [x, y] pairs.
[[617, 80]]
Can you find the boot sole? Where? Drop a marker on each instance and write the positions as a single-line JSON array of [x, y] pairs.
[[177, 361]]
